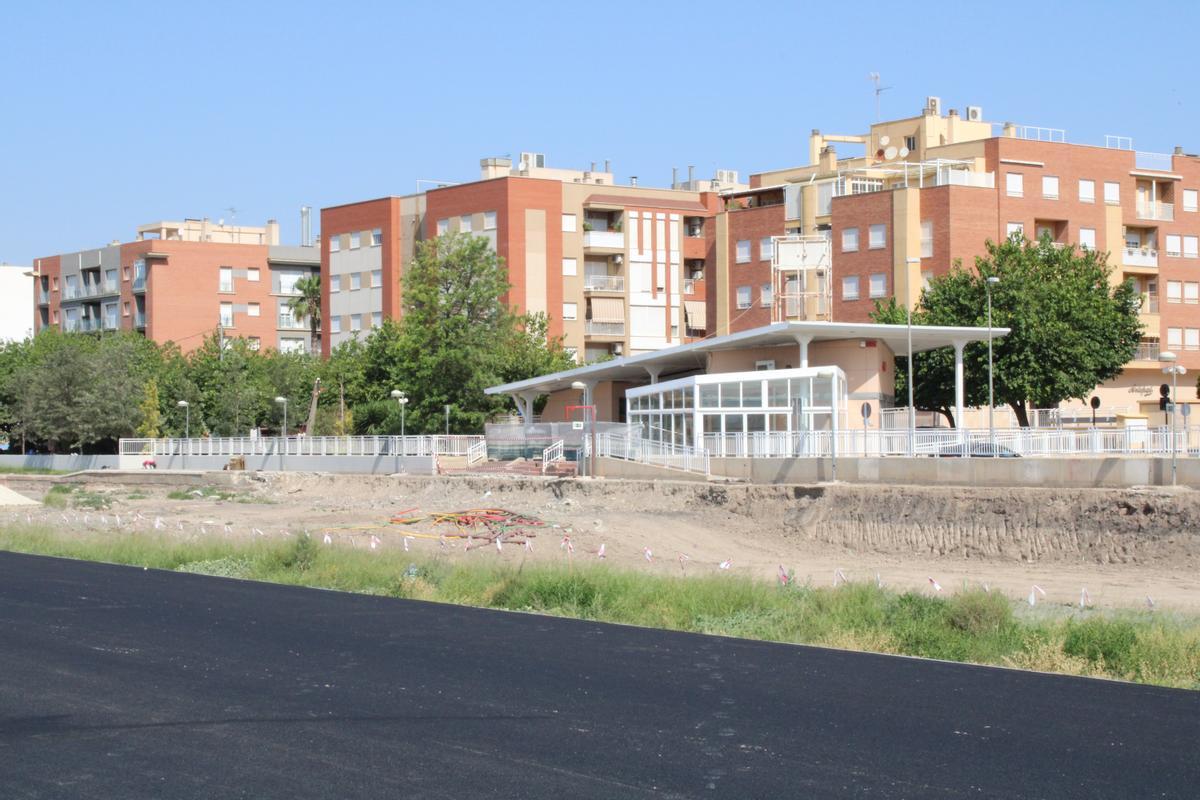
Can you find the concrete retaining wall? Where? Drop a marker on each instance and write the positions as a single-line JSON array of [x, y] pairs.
[[1073, 473], [67, 463], [363, 465]]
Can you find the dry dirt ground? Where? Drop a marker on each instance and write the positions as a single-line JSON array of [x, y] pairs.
[[1124, 546]]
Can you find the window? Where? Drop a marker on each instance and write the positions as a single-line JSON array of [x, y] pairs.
[[765, 295], [291, 345], [125, 273], [226, 315], [1087, 191], [125, 310], [1087, 238], [850, 288], [570, 267], [1050, 187], [926, 278], [850, 240], [355, 281], [766, 248], [376, 319], [252, 275], [376, 278], [764, 365], [879, 284], [356, 322], [1014, 184], [1191, 292], [568, 223], [464, 223], [376, 237], [1112, 193], [910, 143], [877, 237], [743, 297], [335, 284], [335, 324], [1191, 247], [254, 343], [226, 282], [927, 239], [572, 353], [1191, 338], [1174, 338], [743, 251], [1174, 291], [443, 227], [335, 243], [489, 220], [570, 311], [254, 310], [355, 240], [1189, 199], [1015, 227], [1174, 244]]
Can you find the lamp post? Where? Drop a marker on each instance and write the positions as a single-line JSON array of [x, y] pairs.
[[402, 400], [1174, 370], [447, 419], [590, 410], [991, 281], [187, 427], [284, 431], [909, 263]]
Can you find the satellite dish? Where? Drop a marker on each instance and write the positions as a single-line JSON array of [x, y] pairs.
[[890, 153], [904, 152], [884, 140]]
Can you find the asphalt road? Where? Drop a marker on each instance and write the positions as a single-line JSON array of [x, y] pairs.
[[119, 682]]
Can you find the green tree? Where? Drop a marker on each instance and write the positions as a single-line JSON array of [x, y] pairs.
[[307, 305], [151, 412], [1071, 329]]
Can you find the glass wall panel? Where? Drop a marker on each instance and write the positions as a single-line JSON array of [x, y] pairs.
[[708, 395], [752, 394], [731, 395], [777, 393]]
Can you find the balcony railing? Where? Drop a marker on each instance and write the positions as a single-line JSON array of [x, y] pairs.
[[290, 323], [1147, 351], [139, 319], [612, 240], [1149, 303], [604, 283], [110, 322], [1155, 210], [604, 328], [1140, 257], [139, 283], [43, 297], [689, 285], [1156, 161]]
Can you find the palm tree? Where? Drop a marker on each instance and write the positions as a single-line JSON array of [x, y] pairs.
[[307, 303]]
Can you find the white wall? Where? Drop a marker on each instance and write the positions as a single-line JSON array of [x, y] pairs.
[[16, 303]]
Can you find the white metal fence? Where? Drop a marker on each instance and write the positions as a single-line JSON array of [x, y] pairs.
[[553, 453], [226, 446], [632, 447]]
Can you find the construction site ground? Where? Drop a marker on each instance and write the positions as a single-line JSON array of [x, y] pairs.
[[1127, 548]]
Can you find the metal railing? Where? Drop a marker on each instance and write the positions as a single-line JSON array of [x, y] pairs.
[[631, 447], [604, 328], [604, 283], [43, 297], [1140, 257], [1156, 161], [225, 446], [552, 453], [1156, 210], [477, 452], [1147, 351]]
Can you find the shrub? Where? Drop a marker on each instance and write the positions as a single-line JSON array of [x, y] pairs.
[[1106, 642], [546, 591], [979, 613]]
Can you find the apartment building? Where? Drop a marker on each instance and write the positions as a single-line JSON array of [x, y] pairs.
[[932, 190], [16, 315], [179, 282], [617, 269]]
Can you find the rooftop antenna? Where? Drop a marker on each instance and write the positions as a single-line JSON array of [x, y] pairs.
[[875, 79], [232, 215]]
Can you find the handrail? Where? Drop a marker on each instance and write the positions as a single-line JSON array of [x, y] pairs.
[[477, 453], [552, 453]]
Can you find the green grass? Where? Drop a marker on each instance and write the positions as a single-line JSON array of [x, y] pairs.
[[64, 495], [215, 493], [31, 471], [972, 626]]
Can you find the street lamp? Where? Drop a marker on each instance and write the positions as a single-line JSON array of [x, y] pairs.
[[447, 419], [402, 399], [909, 263], [589, 409], [187, 426], [991, 281], [1174, 370]]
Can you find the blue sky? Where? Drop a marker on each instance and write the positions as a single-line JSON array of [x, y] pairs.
[[121, 113]]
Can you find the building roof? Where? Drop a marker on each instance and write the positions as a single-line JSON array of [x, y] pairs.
[[693, 355], [624, 200]]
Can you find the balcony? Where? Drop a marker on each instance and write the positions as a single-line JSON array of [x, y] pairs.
[[1147, 351], [289, 323], [603, 240], [689, 285], [1164, 212], [604, 328], [1140, 257], [1149, 303], [604, 283]]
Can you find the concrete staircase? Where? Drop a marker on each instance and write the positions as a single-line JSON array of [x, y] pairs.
[[520, 466]]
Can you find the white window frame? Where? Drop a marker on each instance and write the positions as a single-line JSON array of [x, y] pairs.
[[376, 278], [1014, 227], [376, 237], [355, 240], [927, 238], [850, 240], [1112, 193], [335, 284], [570, 312], [335, 243], [570, 224], [1174, 245], [225, 315], [253, 275], [766, 248], [877, 288], [742, 249], [1191, 247], [1050, 187], [489, 220], [570, 267], [1191, 292], [847, 282], [877, 236], [224, 285], [443, 226], [253, 310], [1174, 291], [1087, 190], [335, 324], [745, 297], [356, 322], [355, 281], [765, 295], [1014, 184], [1174, 338], [1191, 197], [1087, 238], [1191, 338], [464, 223]]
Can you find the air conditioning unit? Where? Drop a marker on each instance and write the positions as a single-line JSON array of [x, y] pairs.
[[727, 176], [618, 349], [533, 161], [934, 104], [974, 114]]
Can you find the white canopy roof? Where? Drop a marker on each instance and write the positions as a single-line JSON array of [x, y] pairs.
[[693, 356]]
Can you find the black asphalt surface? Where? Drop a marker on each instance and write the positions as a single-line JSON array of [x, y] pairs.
[[118, 682]]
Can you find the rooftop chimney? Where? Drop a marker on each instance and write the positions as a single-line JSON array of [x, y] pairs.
[[607, 165], [633, 180], [306, 226], [674, 177], [1178, 150], [691, 176]]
